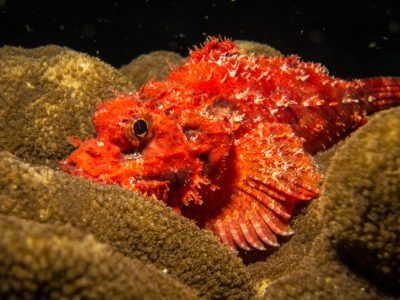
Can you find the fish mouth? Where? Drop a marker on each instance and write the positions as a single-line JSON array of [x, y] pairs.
[[107, 163], [133, 160], [136, 156], [151, 187]]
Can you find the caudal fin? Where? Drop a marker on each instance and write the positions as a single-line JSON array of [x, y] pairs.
[[382, 92]]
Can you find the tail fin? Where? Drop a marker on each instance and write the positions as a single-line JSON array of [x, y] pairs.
[[382, 92]]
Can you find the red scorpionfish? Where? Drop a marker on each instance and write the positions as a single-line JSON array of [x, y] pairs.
[[226, 139]]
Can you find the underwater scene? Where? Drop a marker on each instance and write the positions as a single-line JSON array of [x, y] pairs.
[[199, 150]]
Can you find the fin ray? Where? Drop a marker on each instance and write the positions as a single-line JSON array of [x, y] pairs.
[[382, 92], [272, 173]]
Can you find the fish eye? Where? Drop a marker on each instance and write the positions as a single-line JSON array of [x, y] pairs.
[[140, 128]]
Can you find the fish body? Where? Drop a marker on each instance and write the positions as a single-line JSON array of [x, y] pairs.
[[227, 138]]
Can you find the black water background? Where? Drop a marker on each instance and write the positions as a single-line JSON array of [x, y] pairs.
[[353, 38]]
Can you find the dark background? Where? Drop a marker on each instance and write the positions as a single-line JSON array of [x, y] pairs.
[[353, 38]]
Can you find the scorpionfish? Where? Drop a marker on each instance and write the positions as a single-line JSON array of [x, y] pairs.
[[227, 138]]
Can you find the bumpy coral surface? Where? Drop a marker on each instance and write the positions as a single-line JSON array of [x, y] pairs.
[[130, 223], [362, 200], [226, 138], [36, 261]]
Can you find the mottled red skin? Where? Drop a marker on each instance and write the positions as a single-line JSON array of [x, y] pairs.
[[230, 138]]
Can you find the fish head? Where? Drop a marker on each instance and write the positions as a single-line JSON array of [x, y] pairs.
[[167, 152]]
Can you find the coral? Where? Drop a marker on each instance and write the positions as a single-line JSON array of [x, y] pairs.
[[362, 200], [53, 262], [320, 275], [48, 94], [155, 65], [133, 225], [250, 47], [333, 254]]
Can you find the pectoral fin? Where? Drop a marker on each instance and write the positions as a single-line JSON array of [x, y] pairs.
[[273, 174]]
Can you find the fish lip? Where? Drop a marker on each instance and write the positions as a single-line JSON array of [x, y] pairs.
[[135, 155]]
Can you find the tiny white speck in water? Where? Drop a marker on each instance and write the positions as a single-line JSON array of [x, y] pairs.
[[28, 28], [394, 26]]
